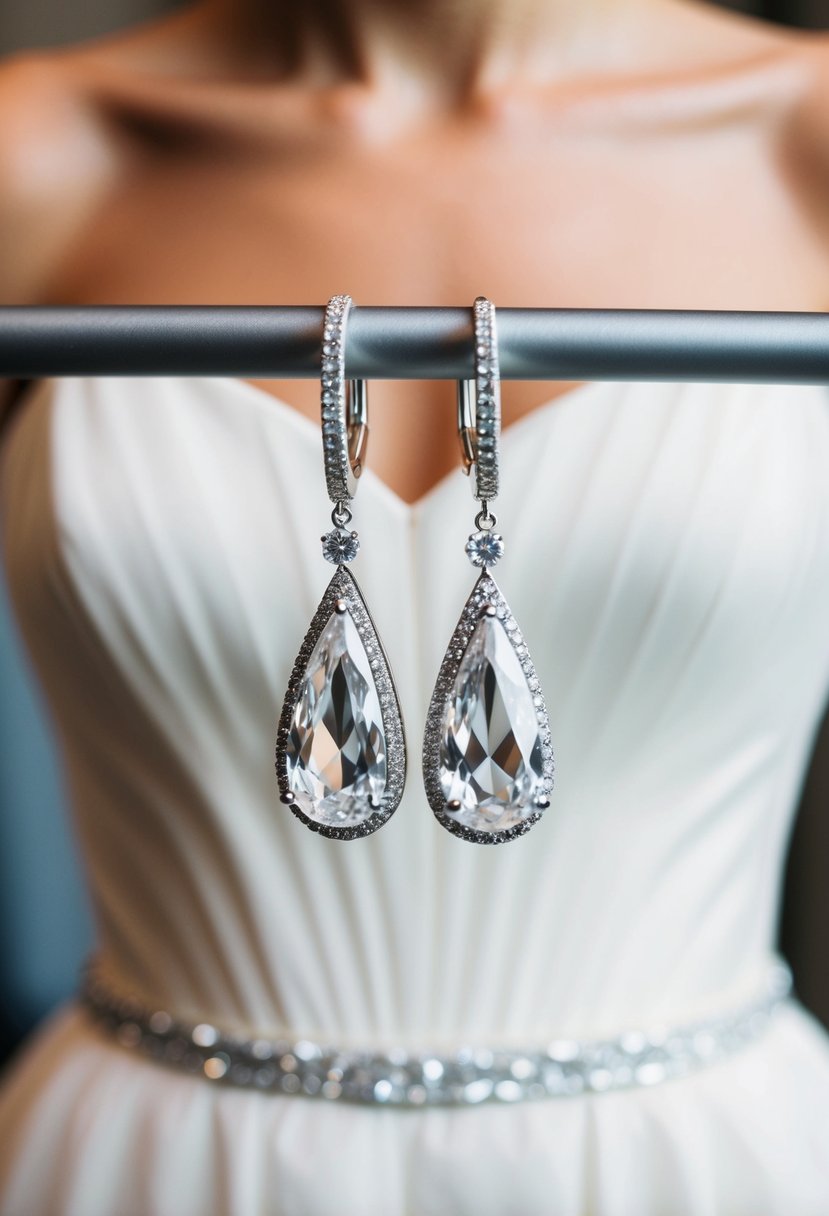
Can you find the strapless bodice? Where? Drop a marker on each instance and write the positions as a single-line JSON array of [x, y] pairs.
[[668, 562]]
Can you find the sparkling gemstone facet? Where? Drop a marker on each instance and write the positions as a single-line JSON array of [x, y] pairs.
[[340, 546], [336, 749], [484, 548], [490, 751]]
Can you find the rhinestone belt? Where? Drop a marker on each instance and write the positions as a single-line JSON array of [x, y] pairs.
[[469, 1075]]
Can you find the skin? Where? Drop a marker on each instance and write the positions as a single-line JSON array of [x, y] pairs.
[[550, 153]]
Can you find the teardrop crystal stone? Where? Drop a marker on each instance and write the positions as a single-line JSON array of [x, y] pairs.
[[339, 748], [489, 767], [336, 747]]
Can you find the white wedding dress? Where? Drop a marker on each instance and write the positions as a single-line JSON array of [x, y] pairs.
[[668, 562]]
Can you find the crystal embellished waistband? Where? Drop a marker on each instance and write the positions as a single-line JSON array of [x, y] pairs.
[[470, 1075]]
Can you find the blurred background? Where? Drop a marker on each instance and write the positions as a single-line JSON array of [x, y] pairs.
[[47, 22], [45, 922]]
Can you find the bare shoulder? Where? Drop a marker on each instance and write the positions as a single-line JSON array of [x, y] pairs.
[[727, 66], [739, 57], [40, 130], [52, 166], [59, 153], [803, 145], [810, 126], [60, 158], [52, 160]]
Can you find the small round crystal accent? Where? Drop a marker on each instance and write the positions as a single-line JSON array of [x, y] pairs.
[[339, 546], [484, 548]]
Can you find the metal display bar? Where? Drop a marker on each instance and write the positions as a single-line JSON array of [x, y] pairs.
[[416, 343]]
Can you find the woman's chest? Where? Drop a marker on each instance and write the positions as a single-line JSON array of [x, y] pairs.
[[537, 208]]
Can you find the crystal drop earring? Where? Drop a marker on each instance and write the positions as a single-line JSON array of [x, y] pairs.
[[340, 748], [488, 764]]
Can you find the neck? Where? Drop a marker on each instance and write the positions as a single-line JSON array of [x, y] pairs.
[[458, 48]]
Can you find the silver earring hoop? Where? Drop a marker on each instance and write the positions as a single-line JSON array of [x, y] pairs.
[[488, 765], [479, 408], [340, 747]]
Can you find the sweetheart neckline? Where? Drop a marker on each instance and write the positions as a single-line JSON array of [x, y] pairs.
[[266, 401], [271, 402]]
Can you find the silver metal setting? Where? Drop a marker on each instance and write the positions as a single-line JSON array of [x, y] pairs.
[[354, 791], [343, 407], [453, 792], [406, 1078], [485, 597], [342, 594], [479, 412]]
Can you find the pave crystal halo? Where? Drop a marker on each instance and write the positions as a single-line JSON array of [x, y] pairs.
[[488, 764], [340, 748]]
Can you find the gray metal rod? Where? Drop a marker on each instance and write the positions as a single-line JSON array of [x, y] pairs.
[[416, 343]]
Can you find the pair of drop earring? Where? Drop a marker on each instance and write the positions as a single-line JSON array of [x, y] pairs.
[[488, 764]]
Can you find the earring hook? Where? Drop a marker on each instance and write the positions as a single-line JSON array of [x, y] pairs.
[[479, 406], [343, 407]]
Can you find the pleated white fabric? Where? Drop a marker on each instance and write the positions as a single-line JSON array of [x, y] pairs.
[[668, 561]]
